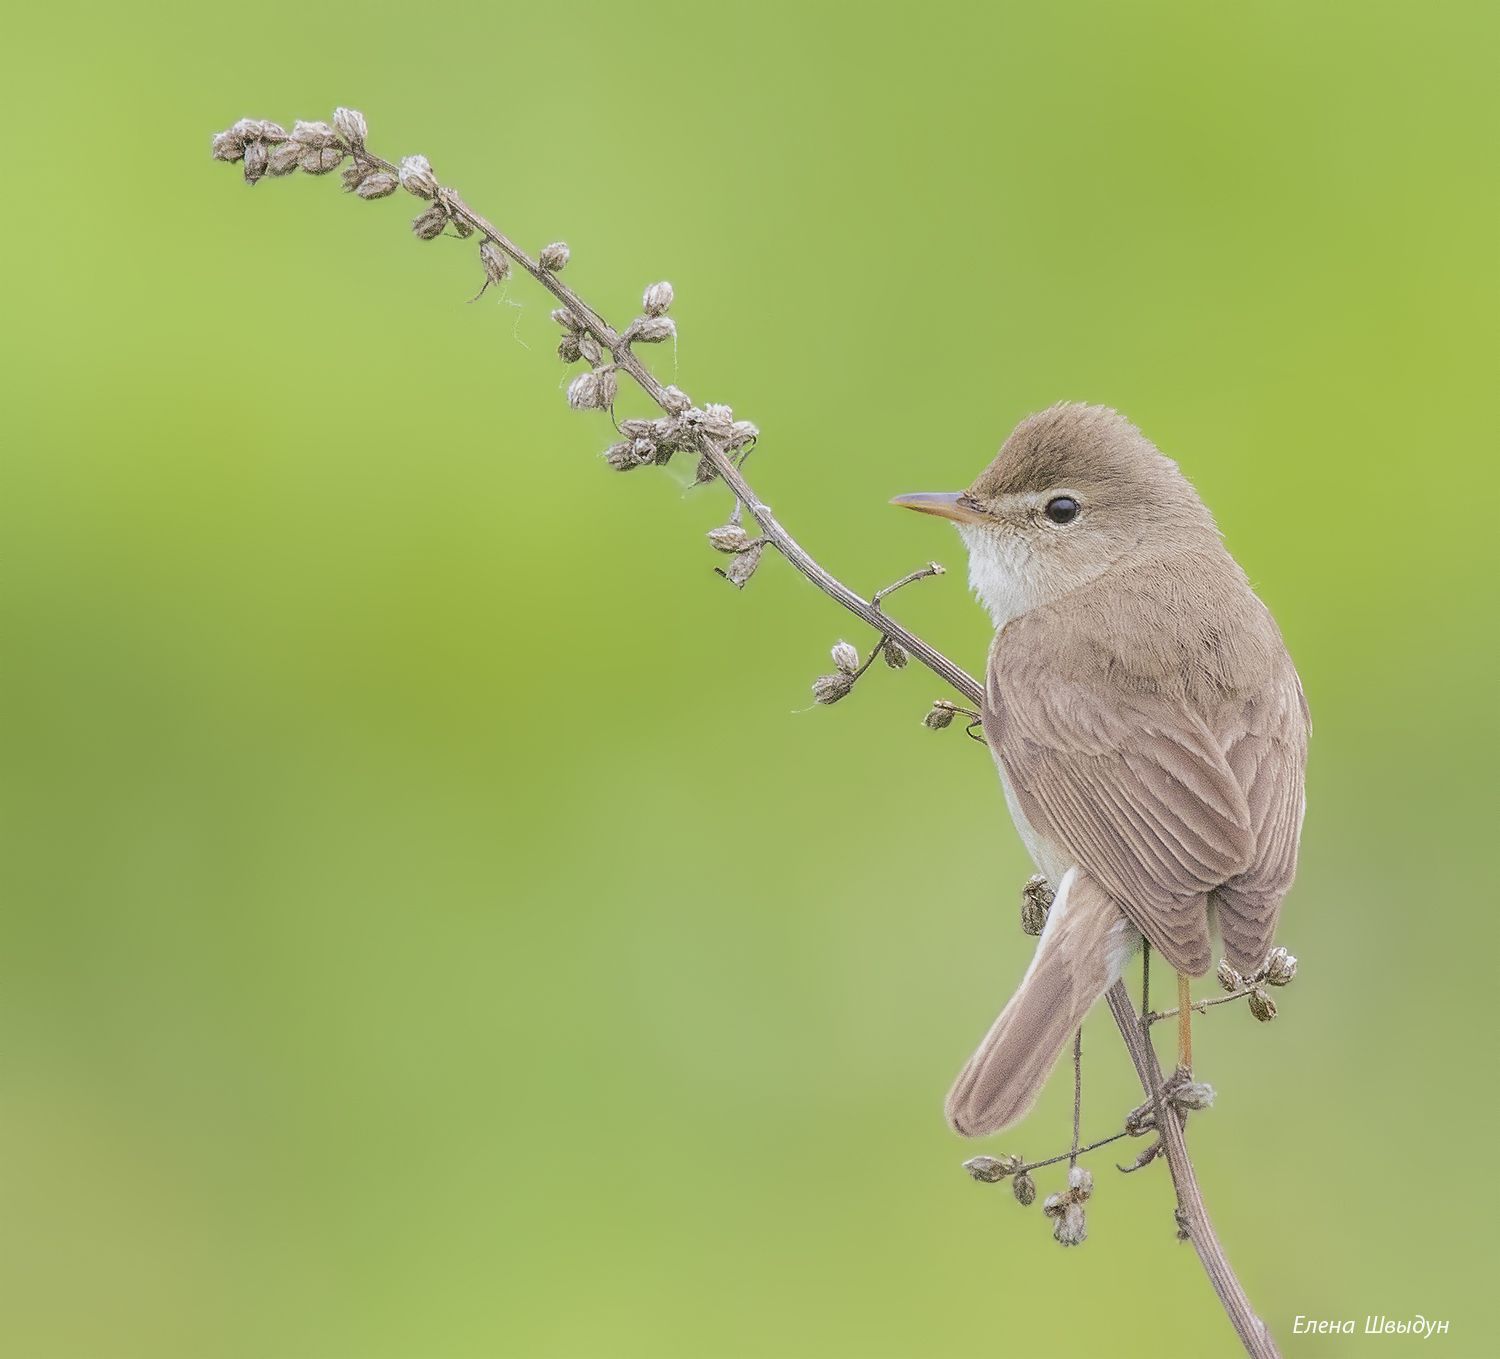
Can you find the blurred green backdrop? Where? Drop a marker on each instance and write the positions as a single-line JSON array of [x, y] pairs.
[[434, 924]]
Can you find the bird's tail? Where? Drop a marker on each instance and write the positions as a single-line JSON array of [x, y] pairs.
[[1083, 948]]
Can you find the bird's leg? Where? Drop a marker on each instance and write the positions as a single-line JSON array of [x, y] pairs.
[[1077, 1093], [1184, 1023]]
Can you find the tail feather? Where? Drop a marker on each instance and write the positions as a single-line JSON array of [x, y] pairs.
[[1078, 958]]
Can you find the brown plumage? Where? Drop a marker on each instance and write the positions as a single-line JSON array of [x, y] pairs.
[[1148, 724], [1076, 960]]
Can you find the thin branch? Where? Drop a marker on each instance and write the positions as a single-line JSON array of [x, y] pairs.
[[1073, 1152], [326, 147], [922, 573], [713, 449], [1156, 1016]]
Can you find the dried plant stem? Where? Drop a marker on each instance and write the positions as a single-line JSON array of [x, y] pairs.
[[714, 451], [1072, 1154], [921, 573], [1155, 1016], [1192, 1216]]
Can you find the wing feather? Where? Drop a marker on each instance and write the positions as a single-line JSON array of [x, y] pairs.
[[1268, 754], [1135, 786]]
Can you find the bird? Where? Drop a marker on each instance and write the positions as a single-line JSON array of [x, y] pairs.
[[1147, 721]]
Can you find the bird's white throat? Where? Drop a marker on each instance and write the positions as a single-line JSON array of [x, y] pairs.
[[1002, 572]]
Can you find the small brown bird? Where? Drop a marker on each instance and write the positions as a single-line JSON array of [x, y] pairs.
[[1148, 724]]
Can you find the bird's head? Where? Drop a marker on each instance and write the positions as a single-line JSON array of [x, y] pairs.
[[1074, 490]]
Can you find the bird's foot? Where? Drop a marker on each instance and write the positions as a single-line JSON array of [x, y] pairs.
[[1185, 1094], [1179, 1093]]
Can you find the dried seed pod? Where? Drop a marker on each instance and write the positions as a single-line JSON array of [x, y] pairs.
[[283, 158], [319, 160], [741, 432], [715, 420], [1191, 1095], [831, 688], [496, 265], [744, 565], [1037, 889], [568, 350], [1024, 1188], [939, 716], [992, 1169], [631, 453], [652, 329], [314, 134], [985, 1169], [1071, 1227], [1229, 979], [676, 401], [350, 125], [1262, 1006], [1033, 915], [378, 185], [271, 132], [553, 257], [415, 174], [1280, 967], [1054, 1204], [656, 299], [1080, 1183], [249, 129], [355, 175], [256, 160], [228, 145], [609, 385], [845, 658], [583, 392], [895, 655], [464, 227], [589, 347], [729, 538], [636, 428], [429, 226]]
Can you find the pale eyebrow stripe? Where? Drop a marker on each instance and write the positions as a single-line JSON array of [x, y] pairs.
[[1031, 500]]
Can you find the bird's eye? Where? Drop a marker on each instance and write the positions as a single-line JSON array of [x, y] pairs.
[[1062, 509]]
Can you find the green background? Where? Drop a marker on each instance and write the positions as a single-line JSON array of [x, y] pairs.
[[435, 923]]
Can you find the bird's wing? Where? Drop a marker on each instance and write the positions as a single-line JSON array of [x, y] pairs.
[[1267, 751], [1134, 786]]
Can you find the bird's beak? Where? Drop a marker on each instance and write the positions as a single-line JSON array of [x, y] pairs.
[[946, 504]]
